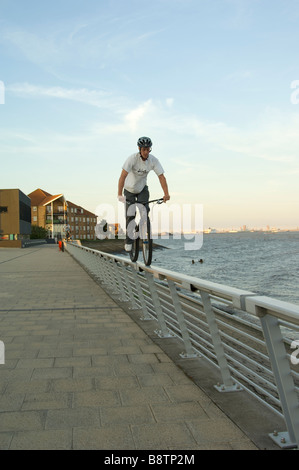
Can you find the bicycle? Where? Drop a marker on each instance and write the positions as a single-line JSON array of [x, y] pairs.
[[145, 235]]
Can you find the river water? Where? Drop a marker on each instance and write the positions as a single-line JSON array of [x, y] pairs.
[[262, 262]]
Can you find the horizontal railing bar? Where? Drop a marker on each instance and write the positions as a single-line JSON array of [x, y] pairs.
[[241, 345], [242, 333], [251, 361]]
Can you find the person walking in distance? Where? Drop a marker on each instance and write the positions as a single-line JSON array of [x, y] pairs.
[[132, 184]]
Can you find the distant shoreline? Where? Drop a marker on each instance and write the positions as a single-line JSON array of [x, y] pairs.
[[112, 246]]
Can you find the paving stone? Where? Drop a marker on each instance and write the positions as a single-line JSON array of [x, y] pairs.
[[72, 417], [162, 436], [21, 420], [43, 440], [96, 398], [108, 438], [111, 416], [207, 431]]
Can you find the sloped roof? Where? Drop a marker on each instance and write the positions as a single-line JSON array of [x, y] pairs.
[[39, 197], [86, 212]]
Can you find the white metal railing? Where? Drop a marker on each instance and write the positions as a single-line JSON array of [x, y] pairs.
[[239, 332]]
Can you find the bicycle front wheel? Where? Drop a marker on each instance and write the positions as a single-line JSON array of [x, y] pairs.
[[135, 248], [147, 243]]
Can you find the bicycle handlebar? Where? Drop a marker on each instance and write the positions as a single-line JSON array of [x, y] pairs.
[[159, 201]]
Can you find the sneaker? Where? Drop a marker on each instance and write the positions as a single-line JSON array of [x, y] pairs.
[[128, 247]]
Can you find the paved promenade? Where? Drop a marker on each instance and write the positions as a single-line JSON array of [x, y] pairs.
[[80, 373]]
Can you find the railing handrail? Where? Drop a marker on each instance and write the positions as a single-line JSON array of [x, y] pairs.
[[241, 298]]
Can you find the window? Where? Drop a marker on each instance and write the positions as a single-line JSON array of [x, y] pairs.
[[25, 212], [3, 209], [34, 208], [34, 218]]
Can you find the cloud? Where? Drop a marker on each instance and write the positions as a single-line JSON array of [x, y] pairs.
[[133, 117], [97, 98], [273, 136], [78, 43]]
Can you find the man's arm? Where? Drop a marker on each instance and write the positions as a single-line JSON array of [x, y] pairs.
[[121, 182], [164, 186]]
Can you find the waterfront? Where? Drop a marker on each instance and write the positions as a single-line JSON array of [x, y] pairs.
[[265, 263]]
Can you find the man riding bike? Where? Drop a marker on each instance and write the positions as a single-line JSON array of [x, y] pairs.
[[133, 182]]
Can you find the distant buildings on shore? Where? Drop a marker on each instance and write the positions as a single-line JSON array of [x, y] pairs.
[[245, 229], [57, 216]]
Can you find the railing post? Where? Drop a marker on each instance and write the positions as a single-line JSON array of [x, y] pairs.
[[164, 332], [228, 384], [146, 316], [134, 305], [99, 268], [284, 380], [180, 316], [123, 296], [108, 279]]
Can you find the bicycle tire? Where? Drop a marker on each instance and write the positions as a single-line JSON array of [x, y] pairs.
[[147, 244], [134, 253]]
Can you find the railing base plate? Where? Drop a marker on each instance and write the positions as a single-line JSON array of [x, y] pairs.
[[164, 335], [185, 355], [227, 389], [282, 439]]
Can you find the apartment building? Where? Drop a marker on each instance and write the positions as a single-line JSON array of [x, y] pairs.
[[81, 222], [49, 212], [59, 216]]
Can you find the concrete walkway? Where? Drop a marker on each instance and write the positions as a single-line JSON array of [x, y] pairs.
[[79, 373]]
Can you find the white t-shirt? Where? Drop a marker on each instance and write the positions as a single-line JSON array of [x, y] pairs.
[[138, 170]]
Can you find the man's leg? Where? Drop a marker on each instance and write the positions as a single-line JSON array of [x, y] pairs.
[[142, 200], [143, 197], [130, 200]]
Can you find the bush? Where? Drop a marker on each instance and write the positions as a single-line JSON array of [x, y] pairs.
[[38, 232]]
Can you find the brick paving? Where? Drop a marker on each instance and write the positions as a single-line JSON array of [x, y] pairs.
[[80, 373]]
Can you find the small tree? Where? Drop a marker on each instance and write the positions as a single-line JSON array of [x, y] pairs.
[[38, 232]]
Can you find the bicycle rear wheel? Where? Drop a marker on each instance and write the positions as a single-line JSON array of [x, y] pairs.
[[147, 243]]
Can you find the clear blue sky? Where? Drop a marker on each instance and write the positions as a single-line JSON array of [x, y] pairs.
[[208, 80]]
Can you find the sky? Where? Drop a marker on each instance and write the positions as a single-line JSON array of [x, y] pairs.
[[214, 83]]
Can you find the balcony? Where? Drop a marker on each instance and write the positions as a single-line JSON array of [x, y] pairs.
[[61, 213], [55, 221]]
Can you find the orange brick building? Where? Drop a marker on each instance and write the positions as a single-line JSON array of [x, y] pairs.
[[81, 222], [58, 216]]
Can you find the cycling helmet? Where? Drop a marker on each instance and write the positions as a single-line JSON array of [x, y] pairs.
[[144, 142]]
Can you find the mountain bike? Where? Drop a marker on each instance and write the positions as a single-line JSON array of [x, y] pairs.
[[145, 236]]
